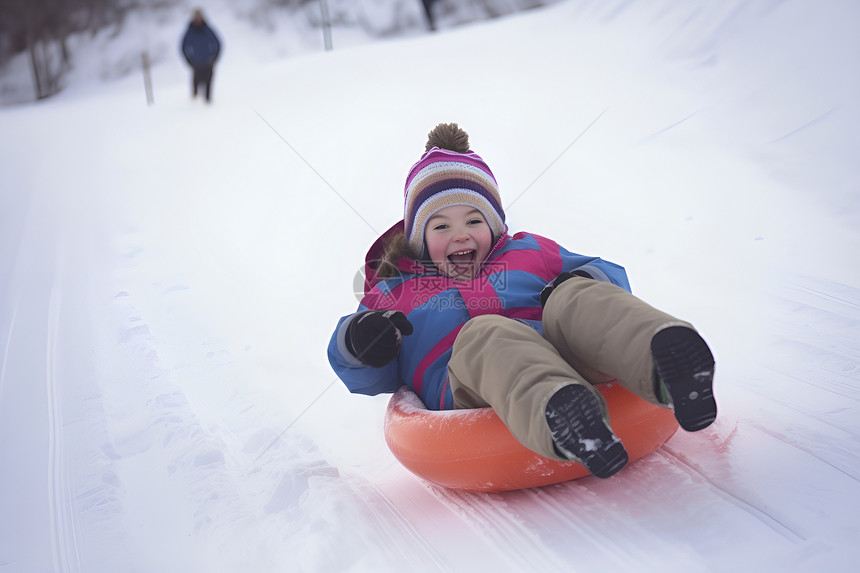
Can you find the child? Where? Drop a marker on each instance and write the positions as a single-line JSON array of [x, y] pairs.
[[469, 317]]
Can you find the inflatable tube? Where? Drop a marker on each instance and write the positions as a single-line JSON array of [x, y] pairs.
[[473, 450]]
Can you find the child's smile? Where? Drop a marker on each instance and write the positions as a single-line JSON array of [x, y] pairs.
[[462, 261]]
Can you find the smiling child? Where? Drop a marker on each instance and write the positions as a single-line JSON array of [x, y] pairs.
[[469, 317]]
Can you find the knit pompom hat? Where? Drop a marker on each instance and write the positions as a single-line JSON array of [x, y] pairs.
[[449, 173]]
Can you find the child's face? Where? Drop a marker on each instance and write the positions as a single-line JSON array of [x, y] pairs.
[[458, 240]]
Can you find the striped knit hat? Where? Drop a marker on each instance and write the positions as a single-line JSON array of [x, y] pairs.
[[442, 178]]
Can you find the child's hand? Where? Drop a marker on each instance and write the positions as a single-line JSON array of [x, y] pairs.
[[374, 336]]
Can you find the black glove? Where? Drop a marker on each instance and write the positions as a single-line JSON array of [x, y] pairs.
[[547, 290], [374, 336]]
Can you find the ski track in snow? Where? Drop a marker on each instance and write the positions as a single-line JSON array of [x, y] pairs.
[[750, 507], [391, 523], [805, 448], [492, 519], [62, 511], [818, 321]]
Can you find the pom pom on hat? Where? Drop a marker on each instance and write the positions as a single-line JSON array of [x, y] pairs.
[[448, 136], [449, 173]]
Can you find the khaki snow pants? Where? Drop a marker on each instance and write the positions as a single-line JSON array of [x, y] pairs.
[[593, 332]]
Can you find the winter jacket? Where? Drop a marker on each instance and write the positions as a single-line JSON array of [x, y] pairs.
[[200, 45], [508, 284]]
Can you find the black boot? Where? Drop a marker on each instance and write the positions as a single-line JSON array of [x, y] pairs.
[[685, 366], [581, 433]]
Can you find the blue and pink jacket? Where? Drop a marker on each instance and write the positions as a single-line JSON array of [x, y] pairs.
[[508, 284]]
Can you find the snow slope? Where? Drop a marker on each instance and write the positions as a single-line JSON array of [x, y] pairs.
[[171, 275]]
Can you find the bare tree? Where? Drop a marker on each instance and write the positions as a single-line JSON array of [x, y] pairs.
[[37, 26], [42, 28]]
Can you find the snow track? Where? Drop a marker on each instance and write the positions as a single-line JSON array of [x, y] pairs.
[[496, 522], [734, 498], [62, 494], [34, 414]]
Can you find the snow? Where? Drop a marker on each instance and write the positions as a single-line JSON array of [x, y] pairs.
[[171, 275]]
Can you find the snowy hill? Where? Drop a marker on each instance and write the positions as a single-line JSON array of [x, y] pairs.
[[172, 275]]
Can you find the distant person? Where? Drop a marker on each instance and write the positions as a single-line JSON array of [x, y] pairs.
[[428, 10], [201, 47]]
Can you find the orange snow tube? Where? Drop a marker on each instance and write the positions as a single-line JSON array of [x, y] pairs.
[[473, 450]]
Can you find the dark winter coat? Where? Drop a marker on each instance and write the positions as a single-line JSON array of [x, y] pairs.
[[508, 284], [200, 45]]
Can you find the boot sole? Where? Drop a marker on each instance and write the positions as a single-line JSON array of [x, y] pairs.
[[686, 366], [580, 433]]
